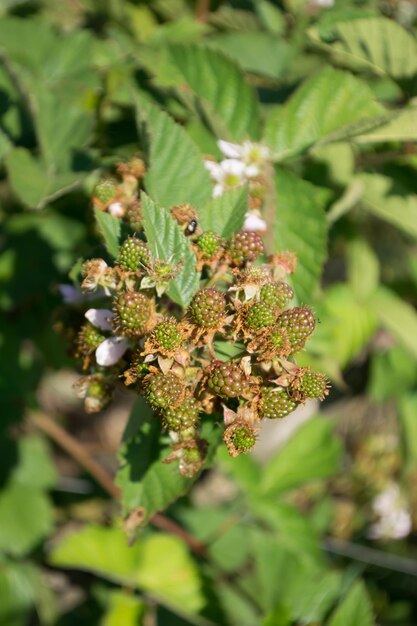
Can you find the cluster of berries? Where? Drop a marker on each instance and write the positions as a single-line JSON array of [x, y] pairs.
[[230, 354]]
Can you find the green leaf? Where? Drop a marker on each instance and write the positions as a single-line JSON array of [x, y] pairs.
[[146, 482], [176, 171], [347, 324], [327, 104], [403, 127], [26, 518], [225, 214], [35, 468], [298, 202], [226, 99], [312, 452], [390, 202], [256, 52], [397, 316], [167, 241], [407, 413], [158, 563], [293, 531], [31, 181], [374, 44], [363, 269], [123, 608], [18, 591], [110, 228], [355, 609]]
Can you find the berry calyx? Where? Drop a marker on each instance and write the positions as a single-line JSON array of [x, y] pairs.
[[277, 294], [133, 311], [227, 379], [133, 254], [299, 322], [181, 417], [163, 390], [260, 315], [245, 247], [275, 403], [208, 308]]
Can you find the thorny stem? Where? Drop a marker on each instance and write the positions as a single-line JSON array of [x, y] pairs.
[[83, 458]]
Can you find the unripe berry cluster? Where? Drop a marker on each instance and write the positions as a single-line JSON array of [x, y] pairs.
[[184, 361]]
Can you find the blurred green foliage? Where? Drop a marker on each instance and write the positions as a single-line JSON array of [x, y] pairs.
[[331, 89]]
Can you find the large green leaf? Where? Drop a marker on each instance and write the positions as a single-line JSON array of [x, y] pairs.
[[226, 213], [355, 609], [158, 563], [146, 482], [331, 105], [257, 52], [312, 452], [176, 171], [397, 316], [110, 229], [226, 99], [168, 242], [26, 518], [300, 226], [403, 127], [347, 324], [32, 182], [374, 44], [390, 202]]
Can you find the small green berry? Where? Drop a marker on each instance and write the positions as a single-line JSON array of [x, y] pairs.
[[208, 308], [133, 254], [106, 190], [275, 403], [277, 294], [163, 390], [260, 315], [183, 416], [132, 311], [167, 336], [227, 379], [299, 322], [209, 244], [245, 247]]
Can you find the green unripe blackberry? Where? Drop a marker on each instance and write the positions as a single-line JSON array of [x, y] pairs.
[[275, 403], [167, 336], [181, 417], [133, 254], [245, 247], [89, 338], [209, 244], [277, 294], [227, 379], [311, 385], [239, 438], [163, 390], [208, 308], [106, 190], [133, 215], [299, 322], [260, 315], [132, 311]]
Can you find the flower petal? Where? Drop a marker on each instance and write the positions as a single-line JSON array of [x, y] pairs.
[[232, 150], [100, 318], [253, 222], [111, 350], [233, 166], [116, 209]]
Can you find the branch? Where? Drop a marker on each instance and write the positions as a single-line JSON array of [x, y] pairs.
[[202, 10], [74, 449]]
